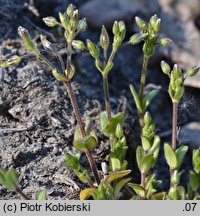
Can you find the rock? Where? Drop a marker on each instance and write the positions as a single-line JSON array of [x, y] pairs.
[[190, 135], [104, 12]]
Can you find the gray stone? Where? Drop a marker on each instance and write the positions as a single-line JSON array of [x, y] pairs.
[[190, 135]]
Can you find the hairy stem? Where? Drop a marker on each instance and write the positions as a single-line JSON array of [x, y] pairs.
[[142, 86], [82, 129], [104, 57], [20, 192], [174, 125], [143, 176], [107, 95], [143, 77]]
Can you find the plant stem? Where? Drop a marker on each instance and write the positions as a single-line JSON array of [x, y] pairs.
[[174, 125], [142, 85], [93, 166], [19, 191], [143, 176], [106, 95], [104, 57], [143, 77], [82, 129]]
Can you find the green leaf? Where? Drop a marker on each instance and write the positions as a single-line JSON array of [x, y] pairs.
[[158, 196], [59, 76], [148, 181], [148, 98], [114, 176], [120, 185], [83, 176], [103, 120], [194, 181], [173, 194], [41, 195], [180, 154], [11, 179], [145, 143], [155, 148], [181, 192], [196, 160], [139, 190], [2, 176], [112, 124], [136, 99], [179, 94], [71, 161], [115, 163], [88, 142], [147, 163], [139, 156], [170, 156]]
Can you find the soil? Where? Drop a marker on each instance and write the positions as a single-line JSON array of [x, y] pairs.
[[36, 117]]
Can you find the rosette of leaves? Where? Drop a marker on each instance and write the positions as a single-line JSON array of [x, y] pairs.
[[147, 155]]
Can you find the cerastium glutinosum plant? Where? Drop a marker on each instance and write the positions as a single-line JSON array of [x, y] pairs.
[[115, 173], [173, 155], [72, 26], [149, 34], [147, 155]]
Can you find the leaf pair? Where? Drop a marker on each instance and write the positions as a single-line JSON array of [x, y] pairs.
[[88, 142], [143, 105], [9, 179], [174, 159], [108, 127]]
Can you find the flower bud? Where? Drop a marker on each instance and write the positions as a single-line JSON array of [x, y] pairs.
[[119, 131], [147, 118], [75, 16], [24, 34], [79, 45], [165, 68], [82, 25], [12, 61], [70, 10], [104, 38], [64, 20], [153, 20], [122, 29], [136, 38], [47, 44], [93, 49], [115, 28], [140, 23], [165, 41], [50, 21], [193, 71], [157, 25], [176, 73]]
